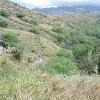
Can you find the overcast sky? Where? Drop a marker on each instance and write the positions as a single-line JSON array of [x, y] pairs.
[[53, 3]]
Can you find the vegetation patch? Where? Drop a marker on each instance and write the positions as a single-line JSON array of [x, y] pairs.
[[61, 63], [32, 21], [20, 15], [4, 13], [3, 23], [35, 30], [15, 86], [11, 40], [18, 53], [58, 30]]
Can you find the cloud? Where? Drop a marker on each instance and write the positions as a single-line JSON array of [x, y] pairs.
[[33, 3], [73, 2], [52, 3]]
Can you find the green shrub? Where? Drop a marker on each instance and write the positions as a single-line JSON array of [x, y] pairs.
[[86, 39], [60, 65], [79, 50], [10, 38], [19, 51], [65, 53], [60, 37], [4, 13], [20, 15], [58, 30], [35, 30], [3, 23], [97, 35], [61, 34], [17, 55], [33, 21], [62, 62]]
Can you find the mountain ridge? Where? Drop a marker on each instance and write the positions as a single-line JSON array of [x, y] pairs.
[[64, 9]]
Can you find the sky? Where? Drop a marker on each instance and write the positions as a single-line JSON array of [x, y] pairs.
[[53, 3]]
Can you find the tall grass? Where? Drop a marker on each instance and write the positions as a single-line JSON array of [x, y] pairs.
[[19, 85]]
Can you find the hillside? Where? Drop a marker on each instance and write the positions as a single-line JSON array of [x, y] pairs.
[[48, 57], [70, 9]]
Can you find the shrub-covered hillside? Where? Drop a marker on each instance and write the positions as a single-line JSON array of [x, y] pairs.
[[44, 57]]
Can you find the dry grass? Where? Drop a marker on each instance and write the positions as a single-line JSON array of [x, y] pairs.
[[28, 85], [73, 87]]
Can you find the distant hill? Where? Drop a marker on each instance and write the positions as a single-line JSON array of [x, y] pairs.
[[64, 9]]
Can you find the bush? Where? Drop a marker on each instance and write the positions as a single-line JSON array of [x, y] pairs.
[[79, 50], [35, 30], [33, 21], [10, 38], [61, 34], [58, 30], [17, 55], [65, 53], [4, 14], [60, 65], [62, 62], [20, 15], [18, 52], [60, 37], [86, 39], [3, 23]]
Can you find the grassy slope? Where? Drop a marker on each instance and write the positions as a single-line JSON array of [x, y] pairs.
[[25, 81]]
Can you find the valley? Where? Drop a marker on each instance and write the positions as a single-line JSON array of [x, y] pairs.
[[48, 56]]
